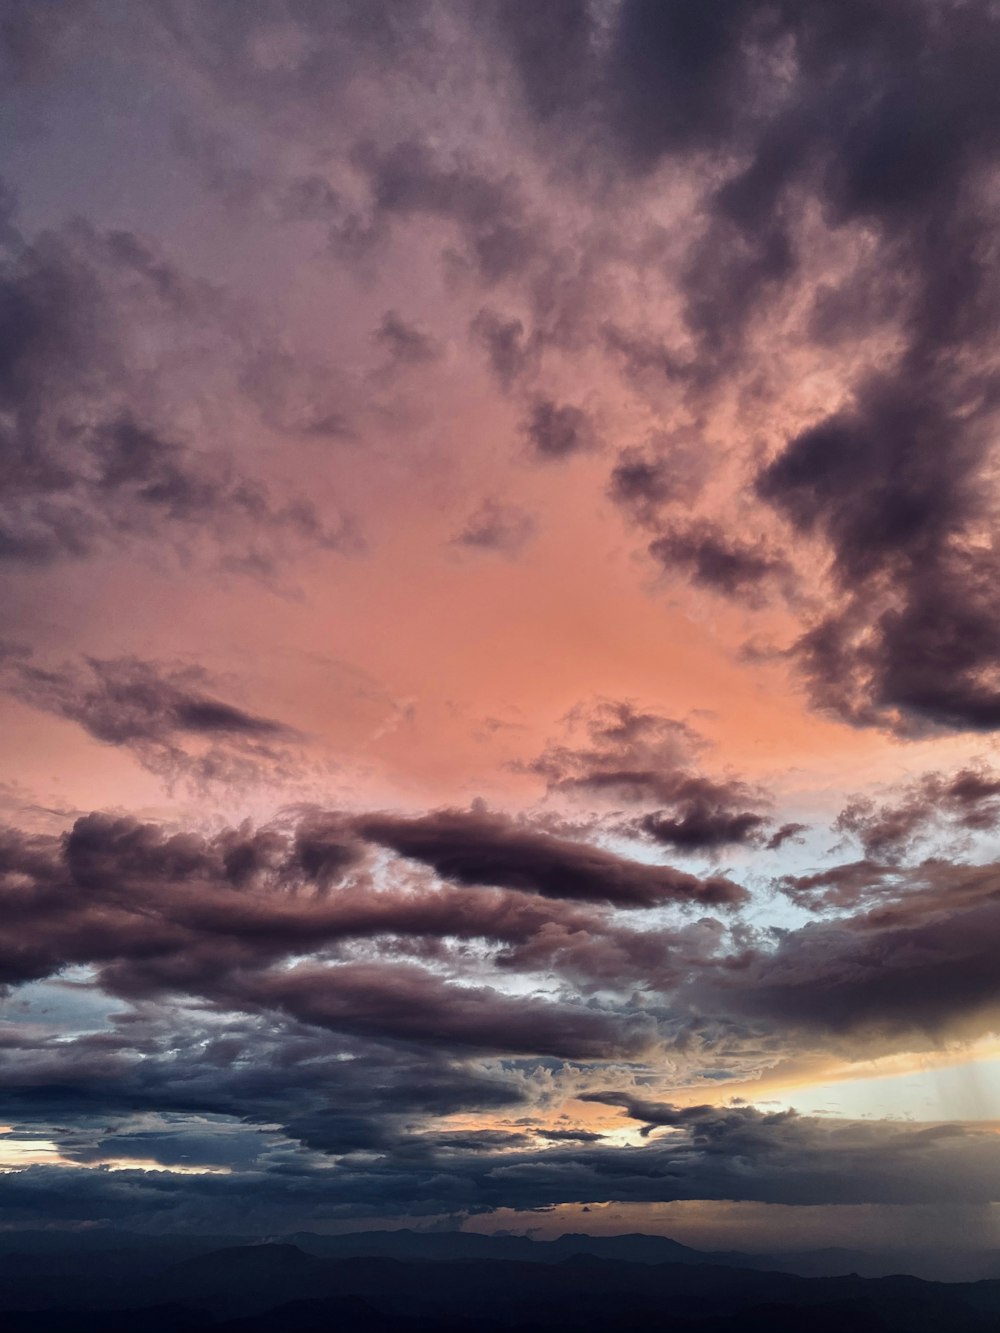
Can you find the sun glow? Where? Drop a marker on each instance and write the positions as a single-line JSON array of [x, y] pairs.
[[19, 1154]]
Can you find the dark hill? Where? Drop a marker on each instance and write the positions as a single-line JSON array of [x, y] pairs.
[[279, 1288]]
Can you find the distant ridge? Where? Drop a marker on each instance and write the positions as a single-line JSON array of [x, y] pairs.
[[442, 1246], [279, 1288], [130, 1254]]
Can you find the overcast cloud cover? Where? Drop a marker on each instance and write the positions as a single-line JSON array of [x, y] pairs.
[[500, 666]]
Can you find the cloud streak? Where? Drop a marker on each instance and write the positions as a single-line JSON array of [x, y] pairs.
[[167, 717]]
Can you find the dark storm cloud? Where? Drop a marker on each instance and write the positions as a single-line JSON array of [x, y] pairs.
[[869, 480], [87, 462], [963, 802], [495, 526], [558, 430], [639, 757], [894, 483], [344, 1055], [882, 123], [719, 562], [594, 959], [476, 847], [168, 717], [329, 1091], [896, 487], [791, 1158], [271, 888], [657, 79], [398, 1002], [221, 919], [569, 1135], [115, 888], [703, 817], [729, 281], [679, 76], [680, 82], [914, 960], [362, 1104], [715, 1153]]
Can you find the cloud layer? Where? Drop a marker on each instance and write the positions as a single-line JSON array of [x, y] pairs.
[[641, 356]]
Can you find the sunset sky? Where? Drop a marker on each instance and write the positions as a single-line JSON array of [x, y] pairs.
[[500, 650]]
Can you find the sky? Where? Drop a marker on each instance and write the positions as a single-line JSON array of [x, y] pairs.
[[500, 635]]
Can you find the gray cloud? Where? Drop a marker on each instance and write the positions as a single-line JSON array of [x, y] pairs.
[[558, 430], [644, 481], [640, 757], [88, 460], [911, 963], [513, 354], [715, 1153], [496, 526], [723, 563], [405, 344], [964, 802], [411, 180], [169, 718]]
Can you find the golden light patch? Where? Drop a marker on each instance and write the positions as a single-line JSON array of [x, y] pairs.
[[797, 1076], [16, 1154], [19, 1154]]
